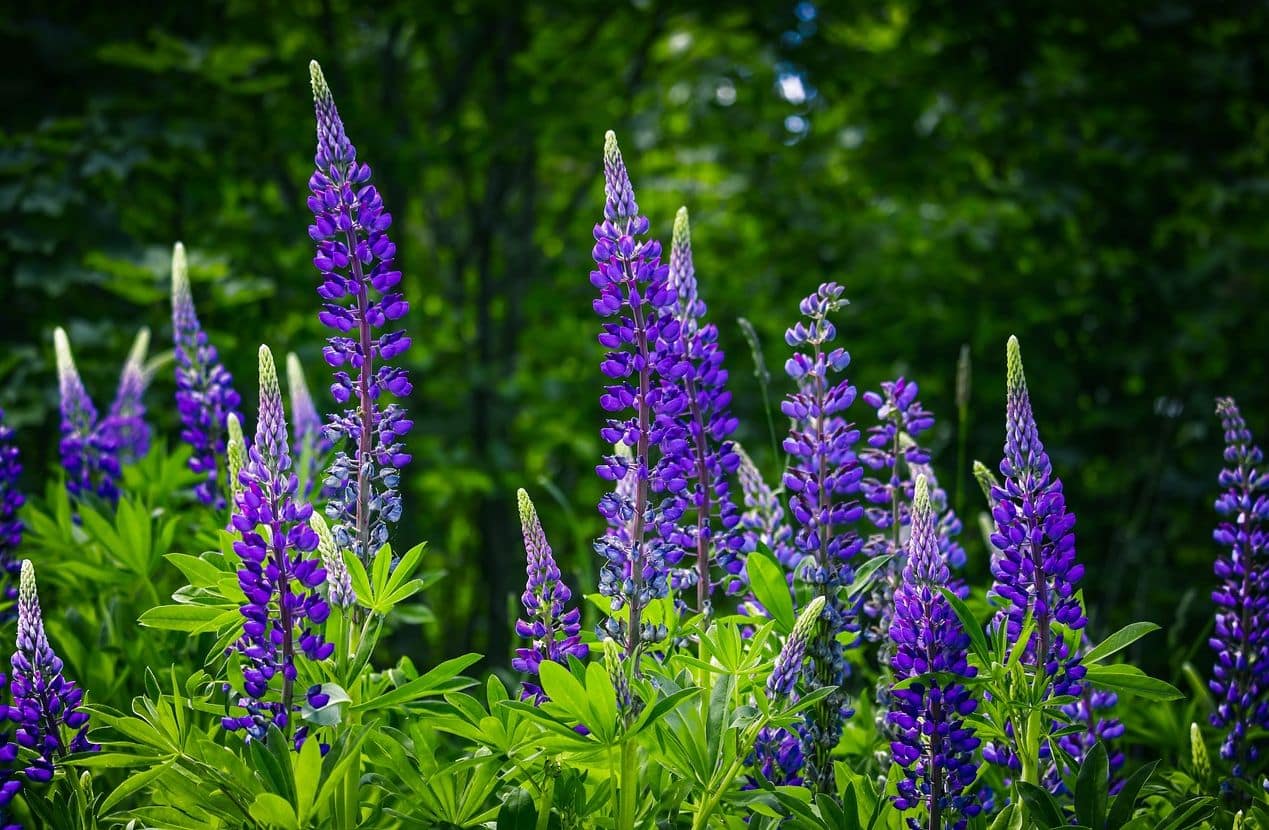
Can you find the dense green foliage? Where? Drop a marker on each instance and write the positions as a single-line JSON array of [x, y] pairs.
[[1088, 176]]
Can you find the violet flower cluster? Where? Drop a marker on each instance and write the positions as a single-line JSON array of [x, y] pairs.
[[1089, 711], [638, 302], [205, 396], [355, 258], [284, 610], [1240, 676], [46, 704], [823, 479], [553, 631], [126, 420], [87, 447], [11, 501], [934, 744], [1036, 571], [893, 450], [706, 459]]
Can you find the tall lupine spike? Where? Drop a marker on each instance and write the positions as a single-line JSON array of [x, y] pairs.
[[311, 443], [205, 395], [1240, 676], [894, 451], [11, 527], [126, 421], [823, 478], [552, 631], [46, 704], [283, 611], [87, 450], [235, 457], [933, 744], [1036, 571], [355, 259], [339, 589], [697, 390], [633, 287], [777, 753]]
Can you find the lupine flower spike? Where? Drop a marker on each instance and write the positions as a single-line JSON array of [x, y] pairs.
[[235, 457], [1036, 571], [634, 289], [339, 589], [46, 704], [934, 744], [698, 392], [126, 421], [284, 610], [823, 478], [355, 259], [11, 501], [762, 523], [552, 631], [87, 449], [782, 682], [311, 443], [1240, 676], [205, 395]]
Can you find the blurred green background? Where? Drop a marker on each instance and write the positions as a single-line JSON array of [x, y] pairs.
[[1091, 176]]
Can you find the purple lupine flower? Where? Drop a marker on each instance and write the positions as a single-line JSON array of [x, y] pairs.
[[822, 478], [698, 391], [11, 527], [633, 287], [87, 449], [284, 610], [45, 703], [1036, 571], [553, 632], [126, 421], [311, 443], [1097, 728], [1240, 676], [355, 258], [933, 743], [894, 451], [205, 395]]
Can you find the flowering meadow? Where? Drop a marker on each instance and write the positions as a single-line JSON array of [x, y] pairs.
[[204, 625]]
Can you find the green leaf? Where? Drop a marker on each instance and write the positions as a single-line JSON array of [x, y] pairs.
[[565, 691], [972, 627], [274, 811], [198, 571], [662, 708], [134, 783], [432, 683], [1009, 818], [193, 619], [767, 579], [517, 811], [360, 581], [331, 713], [1040, 805], [1118, 641], [1125, 803], [1091, 784], [1129, 679]]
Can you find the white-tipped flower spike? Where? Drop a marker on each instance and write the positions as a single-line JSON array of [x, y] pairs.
[[1198, 754], [339, 590], [788, 665], [87, 451], [126, 422], [235, 456], [204, 388]]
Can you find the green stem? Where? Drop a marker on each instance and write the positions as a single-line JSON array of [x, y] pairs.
[[548, 799], [629, 786]]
